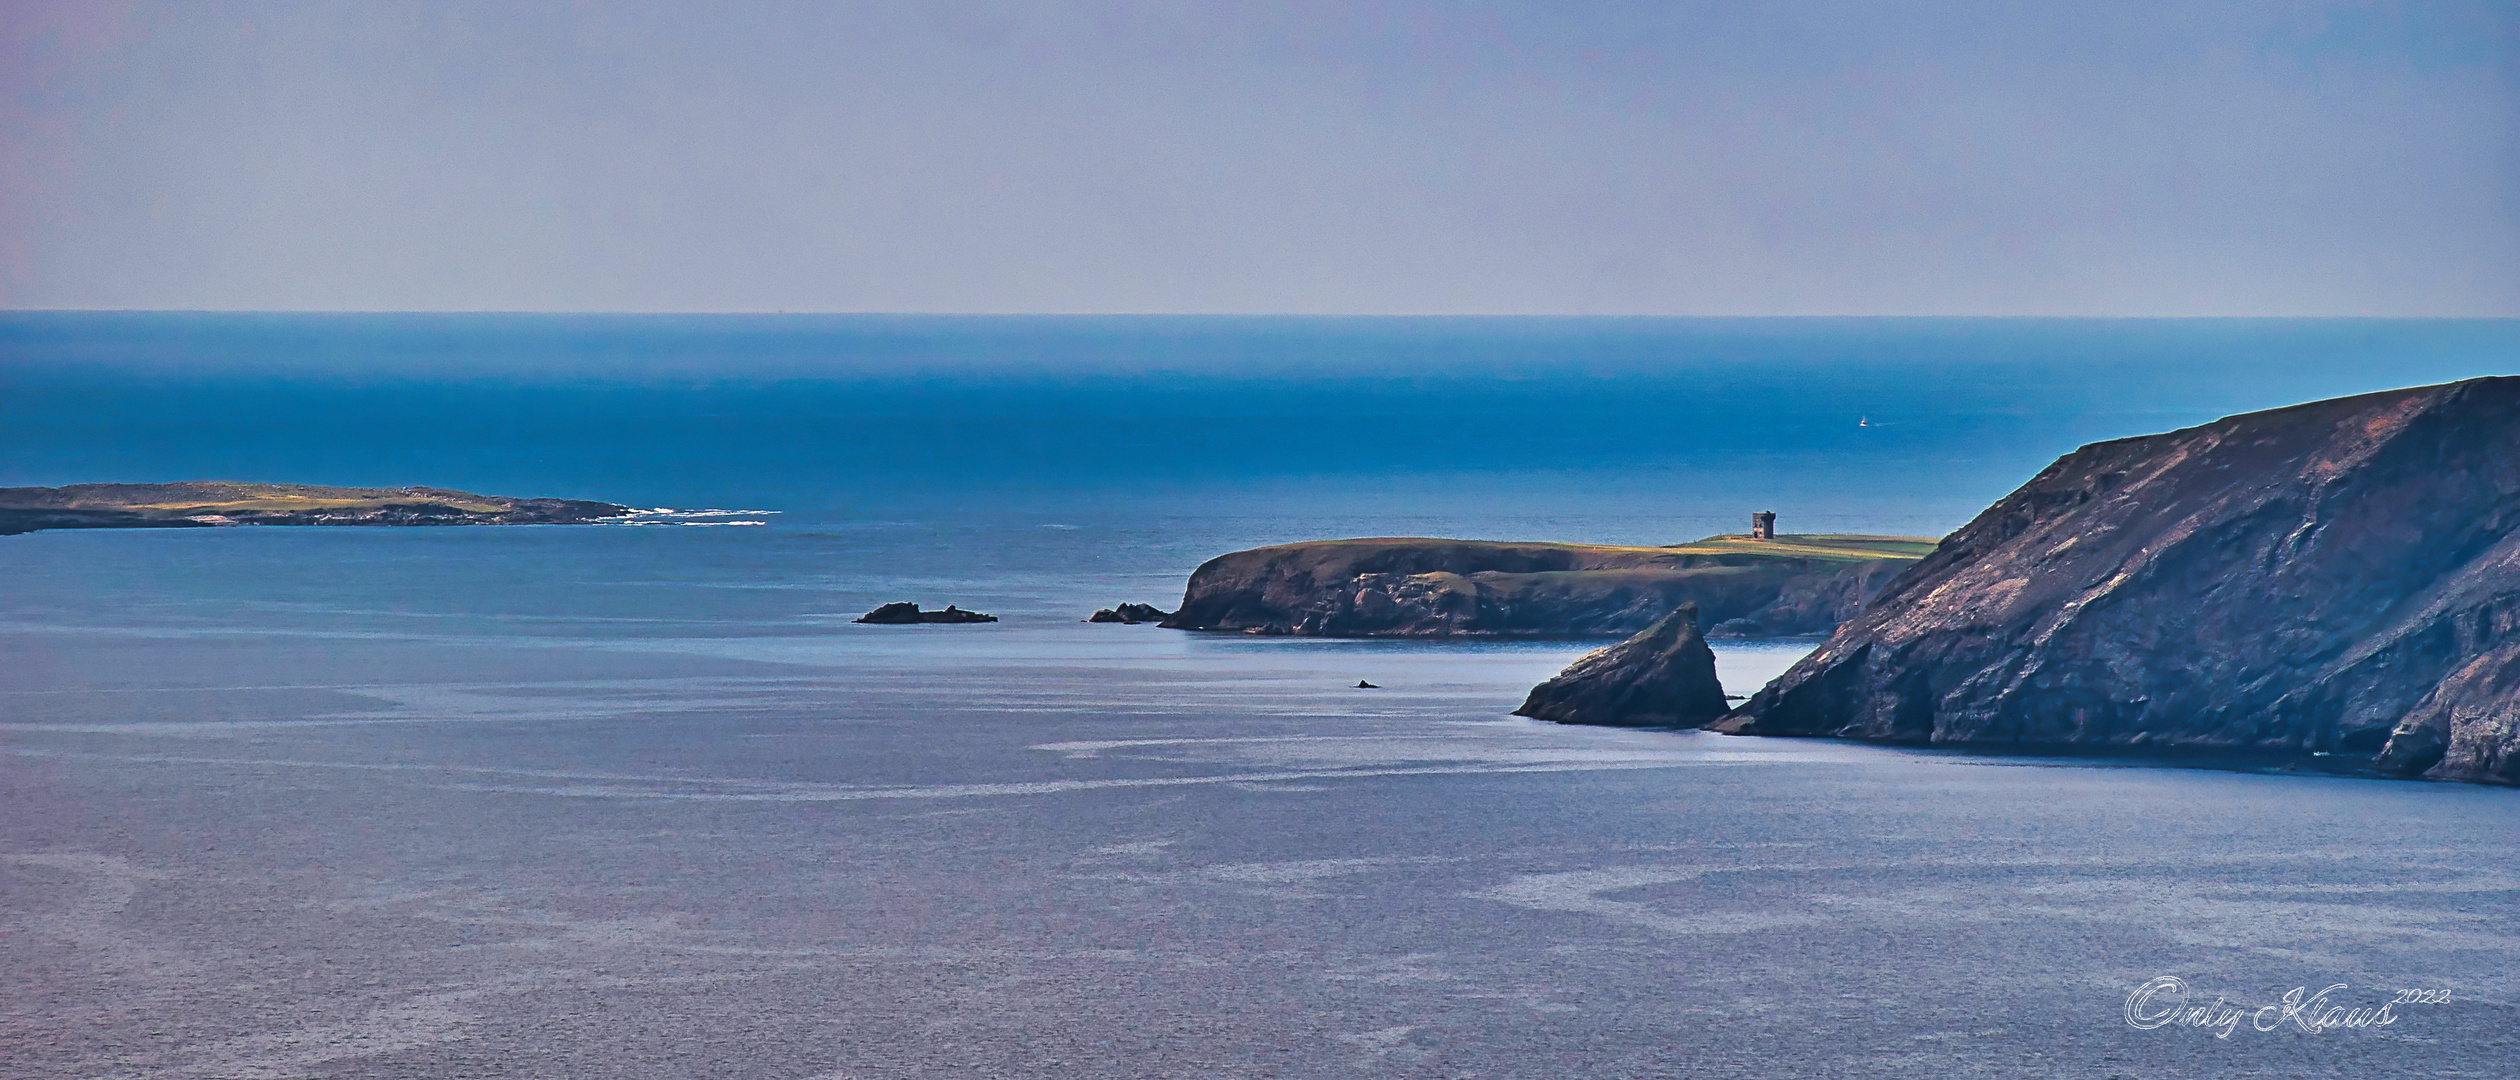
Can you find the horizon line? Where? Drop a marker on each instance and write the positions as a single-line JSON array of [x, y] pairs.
[[10, 311]]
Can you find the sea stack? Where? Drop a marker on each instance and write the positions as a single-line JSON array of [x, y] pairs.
[[2340, 578], [1662, 677]]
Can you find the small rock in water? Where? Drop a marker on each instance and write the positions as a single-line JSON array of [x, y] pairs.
[[1363, 685], [904, 613], [892, 614], [1131, 614]]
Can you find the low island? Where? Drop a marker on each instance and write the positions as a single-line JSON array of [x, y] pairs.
[[1753, 585], [213, 503]]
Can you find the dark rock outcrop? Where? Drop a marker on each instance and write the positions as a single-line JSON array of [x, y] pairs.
[[1662, 677], [197, 504], [905, 613], [2340, 578], [1412, 587], [1131, 614]]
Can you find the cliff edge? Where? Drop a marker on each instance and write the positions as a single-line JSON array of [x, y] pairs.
[[2337, 578]]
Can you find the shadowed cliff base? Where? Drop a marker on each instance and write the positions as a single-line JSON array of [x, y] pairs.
[[2336, 580]]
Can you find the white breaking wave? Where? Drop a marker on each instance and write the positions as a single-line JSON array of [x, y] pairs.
[[666, 515]]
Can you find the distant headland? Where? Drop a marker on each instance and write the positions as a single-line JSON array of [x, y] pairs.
[[212, 503], [1757, 585]]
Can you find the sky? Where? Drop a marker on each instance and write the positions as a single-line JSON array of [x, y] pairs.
[[1336, 157]]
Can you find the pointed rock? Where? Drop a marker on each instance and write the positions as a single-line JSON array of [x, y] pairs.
[[1662, 677]]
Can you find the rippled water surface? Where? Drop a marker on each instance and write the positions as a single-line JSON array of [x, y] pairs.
[[618, 802]]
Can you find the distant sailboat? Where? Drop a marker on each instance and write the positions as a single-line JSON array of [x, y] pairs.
[[1863, 421]]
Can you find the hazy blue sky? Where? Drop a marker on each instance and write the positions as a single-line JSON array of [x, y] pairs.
[[2011, 157]]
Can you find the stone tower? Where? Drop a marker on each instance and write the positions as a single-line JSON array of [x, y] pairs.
[[1763, 525]]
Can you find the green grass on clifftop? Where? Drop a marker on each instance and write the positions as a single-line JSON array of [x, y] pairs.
[[1831, 547]]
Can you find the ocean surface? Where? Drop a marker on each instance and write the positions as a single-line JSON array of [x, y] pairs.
[[640, 801]]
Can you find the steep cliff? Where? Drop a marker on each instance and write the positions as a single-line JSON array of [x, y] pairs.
[[2336, 578], [1662, 677], [1413, 587]]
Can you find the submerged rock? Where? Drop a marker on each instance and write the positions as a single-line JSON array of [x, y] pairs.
[[1130, 613], [2340, 578], [903, 613], [1662, 677]]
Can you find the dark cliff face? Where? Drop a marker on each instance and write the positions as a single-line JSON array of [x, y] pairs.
[[1409, 587], [2341, 577], [1662, 677]]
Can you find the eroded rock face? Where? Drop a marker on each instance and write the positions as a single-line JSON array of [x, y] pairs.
[[2341, 577], [1412, 587], [1662, 677]]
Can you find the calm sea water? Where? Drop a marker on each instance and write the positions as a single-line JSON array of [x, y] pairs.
[[640, 801]]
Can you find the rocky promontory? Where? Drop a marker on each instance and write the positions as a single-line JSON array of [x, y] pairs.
[[1662, 677], [211, 503], [1419, 587], [2340, 578]]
